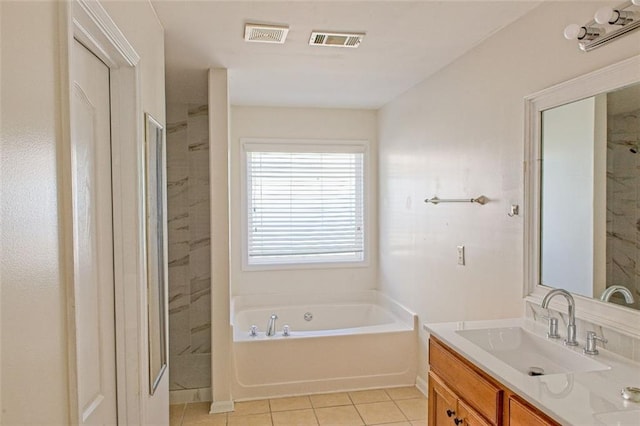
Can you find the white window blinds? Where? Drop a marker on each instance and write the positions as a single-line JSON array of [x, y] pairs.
[[304, 203]]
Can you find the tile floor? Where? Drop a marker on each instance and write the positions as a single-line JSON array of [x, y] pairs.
[[392, 407]]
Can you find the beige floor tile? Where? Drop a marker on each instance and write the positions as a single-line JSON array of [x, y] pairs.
[[380, 412], [175, 414], [294, 418], [346, 415], [292, 403], [419, 422], [196, 409], [408, 392], [251, 420], [205, 419], [414, 409], [395, 424], [250, 407], [330, 400], [197, 413], [367, 396]]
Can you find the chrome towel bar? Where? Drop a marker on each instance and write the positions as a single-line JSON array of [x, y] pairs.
[[480, 200]]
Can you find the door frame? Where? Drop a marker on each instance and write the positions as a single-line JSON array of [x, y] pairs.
[[89, 23]]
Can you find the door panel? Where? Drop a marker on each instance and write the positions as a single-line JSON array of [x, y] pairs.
[[470, 416], [93, 239], [442, 403]]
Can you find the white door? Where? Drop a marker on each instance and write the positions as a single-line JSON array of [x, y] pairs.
[[93, 239]]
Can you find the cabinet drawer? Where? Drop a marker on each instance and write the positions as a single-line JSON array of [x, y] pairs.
[[521, 414], [475, 390]]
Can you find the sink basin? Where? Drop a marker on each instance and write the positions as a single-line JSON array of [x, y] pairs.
[[620, 418], [530, 354]]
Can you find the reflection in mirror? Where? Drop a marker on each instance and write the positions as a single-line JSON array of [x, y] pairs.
[[590, 201]]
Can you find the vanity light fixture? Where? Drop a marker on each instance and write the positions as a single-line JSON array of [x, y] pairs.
[[607, 25], [607, 15]]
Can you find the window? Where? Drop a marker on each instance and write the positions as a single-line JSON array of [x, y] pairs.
[[304, 202]]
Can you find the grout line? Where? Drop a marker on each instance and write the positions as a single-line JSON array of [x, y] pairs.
[[359, 415], [400, 409], [184, 409]]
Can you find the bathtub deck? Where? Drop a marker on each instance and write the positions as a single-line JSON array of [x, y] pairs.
[[392, 406]]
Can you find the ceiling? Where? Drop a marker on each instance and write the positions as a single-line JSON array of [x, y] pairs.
[[405, 42]]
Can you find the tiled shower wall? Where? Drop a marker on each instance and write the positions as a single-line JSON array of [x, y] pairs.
[[189, 252], [623, 202]]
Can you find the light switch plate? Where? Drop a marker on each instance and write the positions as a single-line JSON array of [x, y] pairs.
[[461, 255]]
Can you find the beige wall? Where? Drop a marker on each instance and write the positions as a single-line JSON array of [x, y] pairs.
[[138, 22], [1, 216], [34, 361], [302, 123], [460, 134], [33, 322]]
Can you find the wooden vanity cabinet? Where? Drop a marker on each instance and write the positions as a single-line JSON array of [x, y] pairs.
[[446, 408], [522, 414], [461, 394]]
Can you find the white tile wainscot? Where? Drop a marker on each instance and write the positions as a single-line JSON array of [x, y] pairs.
[[577, 398]]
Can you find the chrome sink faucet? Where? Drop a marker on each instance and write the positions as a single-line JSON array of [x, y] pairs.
[[271, 328], [571, 327], [590, 348]]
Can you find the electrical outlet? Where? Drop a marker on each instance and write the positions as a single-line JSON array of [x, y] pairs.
[[461, 255]]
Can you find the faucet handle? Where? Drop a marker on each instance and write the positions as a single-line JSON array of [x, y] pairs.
[[591, 346], [253, 331], [553, 327], [286, 330]]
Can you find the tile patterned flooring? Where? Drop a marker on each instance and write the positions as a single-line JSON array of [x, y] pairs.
[[405, 406]]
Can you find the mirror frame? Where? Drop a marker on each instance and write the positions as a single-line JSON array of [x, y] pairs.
[[156, 249], [610, 78]]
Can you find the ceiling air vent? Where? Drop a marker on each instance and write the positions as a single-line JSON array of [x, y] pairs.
[[265, 33], [322, 38]]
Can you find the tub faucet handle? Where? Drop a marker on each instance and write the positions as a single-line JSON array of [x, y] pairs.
[[286, 330], [253, 331]]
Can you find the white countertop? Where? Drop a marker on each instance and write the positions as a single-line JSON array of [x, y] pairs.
[[591, 398]]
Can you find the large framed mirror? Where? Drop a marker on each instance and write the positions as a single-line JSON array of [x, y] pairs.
[[582, 194], [156, 203]]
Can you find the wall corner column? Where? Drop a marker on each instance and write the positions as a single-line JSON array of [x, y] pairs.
[[219, 191]]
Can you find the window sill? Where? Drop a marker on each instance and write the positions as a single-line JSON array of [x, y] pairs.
[[304, 266]]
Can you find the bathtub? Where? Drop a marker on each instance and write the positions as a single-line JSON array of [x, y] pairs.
[[337, 342]]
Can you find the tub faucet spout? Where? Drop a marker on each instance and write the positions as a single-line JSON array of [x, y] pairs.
[[271, 328]]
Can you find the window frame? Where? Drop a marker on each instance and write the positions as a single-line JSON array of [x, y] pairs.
[[305, 145]]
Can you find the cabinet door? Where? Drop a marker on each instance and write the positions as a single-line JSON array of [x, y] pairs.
[[520, 414], [469, 416], [442, 403]]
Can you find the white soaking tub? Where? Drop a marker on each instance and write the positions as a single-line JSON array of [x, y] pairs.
[[337, 342]]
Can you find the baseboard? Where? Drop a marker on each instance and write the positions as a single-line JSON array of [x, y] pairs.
[[184, 396], [422, 386], [221, 407]]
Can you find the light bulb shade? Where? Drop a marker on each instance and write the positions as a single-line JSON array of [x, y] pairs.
[[604, 15], [576, 32], [572, 32]]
